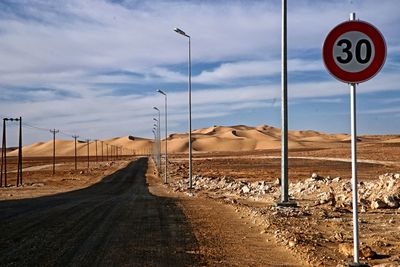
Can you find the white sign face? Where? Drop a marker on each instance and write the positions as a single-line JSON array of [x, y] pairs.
[[353, 51]]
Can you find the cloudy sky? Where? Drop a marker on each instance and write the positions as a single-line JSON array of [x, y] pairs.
[[92, 67]]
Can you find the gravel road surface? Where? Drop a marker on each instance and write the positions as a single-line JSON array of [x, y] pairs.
[[116, 222]]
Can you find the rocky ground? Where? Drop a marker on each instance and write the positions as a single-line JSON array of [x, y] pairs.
[[319, 229]]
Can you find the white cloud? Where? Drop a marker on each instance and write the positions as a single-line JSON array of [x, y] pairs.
[[248, 69], [73, 45]]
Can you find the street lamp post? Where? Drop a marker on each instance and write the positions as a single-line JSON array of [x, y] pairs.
[[166, 135], [177, 30], [154, 145], [157, 128], [159, 136]]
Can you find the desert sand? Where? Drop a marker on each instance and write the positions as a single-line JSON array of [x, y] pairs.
[[67, 147], [236, 178], [216, 138]]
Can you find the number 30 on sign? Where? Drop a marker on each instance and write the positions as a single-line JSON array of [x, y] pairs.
[[354, 51]]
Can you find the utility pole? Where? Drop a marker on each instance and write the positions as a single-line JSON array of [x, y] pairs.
[[95, 141], [102, 151], [54, 131], [4, 156], [76, 156], [107, 152], [88, 153], [19, 169]]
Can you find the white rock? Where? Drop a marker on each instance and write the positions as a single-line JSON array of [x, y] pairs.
[[315, 176], [245, 189], [326, 198], [291, 243], [378, 204]]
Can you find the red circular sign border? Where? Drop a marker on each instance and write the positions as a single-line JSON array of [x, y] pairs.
[[375, 66]]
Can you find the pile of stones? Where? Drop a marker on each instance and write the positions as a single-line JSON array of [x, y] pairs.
[[335, 191], [380, 194]]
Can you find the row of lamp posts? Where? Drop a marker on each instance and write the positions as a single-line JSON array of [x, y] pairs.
[[157, 125]]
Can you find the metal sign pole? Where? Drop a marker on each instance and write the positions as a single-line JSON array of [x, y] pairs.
[[346, 61], [354, 166], [354, 171]]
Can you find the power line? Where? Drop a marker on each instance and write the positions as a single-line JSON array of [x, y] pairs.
[[83, 139], [36, 127], [67, 134]]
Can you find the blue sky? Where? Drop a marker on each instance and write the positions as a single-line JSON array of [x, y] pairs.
[[92, 67]]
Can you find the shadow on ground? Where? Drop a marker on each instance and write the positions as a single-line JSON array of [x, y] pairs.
[[116, 222]]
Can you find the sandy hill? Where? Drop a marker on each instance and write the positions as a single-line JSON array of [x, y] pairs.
[[67, 147], [242, 138], [215, 138]]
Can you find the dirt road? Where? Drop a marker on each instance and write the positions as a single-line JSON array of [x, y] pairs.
[[116, 222], [122, 221]]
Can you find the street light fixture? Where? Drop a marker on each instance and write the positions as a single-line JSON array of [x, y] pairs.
[[159, 138], [156, 127], [166, 135], [179, 31]]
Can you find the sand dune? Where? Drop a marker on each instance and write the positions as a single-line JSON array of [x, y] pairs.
[[67, 147], [215, 138], [245, 138]]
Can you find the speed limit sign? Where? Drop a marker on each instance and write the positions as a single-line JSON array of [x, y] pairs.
[[354, 51]]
